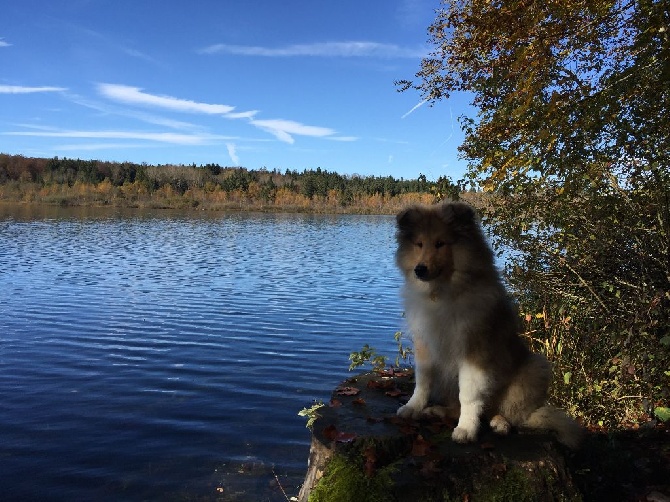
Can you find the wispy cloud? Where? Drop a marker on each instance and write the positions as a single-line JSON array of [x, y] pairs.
[[135, 95], [19, 89], [285, 129], [98, 146], [162, 137], [232, 151], [342, 138], [3, 43], [108, 109], [320, 49], [282, 129], [139, 55]]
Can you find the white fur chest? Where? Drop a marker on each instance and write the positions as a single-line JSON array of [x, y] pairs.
[[437, 323]]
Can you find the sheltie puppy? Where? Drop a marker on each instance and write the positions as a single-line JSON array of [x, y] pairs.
[[470, 360]]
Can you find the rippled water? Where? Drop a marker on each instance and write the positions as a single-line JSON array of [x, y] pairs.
[[165, 356]]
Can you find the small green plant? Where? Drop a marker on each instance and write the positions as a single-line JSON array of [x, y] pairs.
[[662, 413], [378, 362], [367, 355], [405, 352], [312, 413]]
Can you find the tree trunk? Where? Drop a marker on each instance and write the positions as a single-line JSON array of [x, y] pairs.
[[361, 451]]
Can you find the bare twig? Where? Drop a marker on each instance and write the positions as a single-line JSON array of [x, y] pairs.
[[280, 486], [588, 286]]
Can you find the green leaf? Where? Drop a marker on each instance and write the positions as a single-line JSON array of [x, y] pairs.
[[567, 377], [665, 341], [662, 413], [311, 413]]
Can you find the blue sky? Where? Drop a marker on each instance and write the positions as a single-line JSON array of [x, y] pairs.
[[265, 83]]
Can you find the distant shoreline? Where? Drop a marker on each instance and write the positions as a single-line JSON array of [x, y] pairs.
[[91, 183], [90, 197]]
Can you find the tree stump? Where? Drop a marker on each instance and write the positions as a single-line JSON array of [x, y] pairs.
[[361, 451]]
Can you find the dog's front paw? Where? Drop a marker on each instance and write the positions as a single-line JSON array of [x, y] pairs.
[[463, 435], [409, 411]]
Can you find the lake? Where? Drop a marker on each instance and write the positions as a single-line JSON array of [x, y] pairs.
[[165, 355]]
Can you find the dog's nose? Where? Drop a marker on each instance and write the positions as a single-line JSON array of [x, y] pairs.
[[421, 271]]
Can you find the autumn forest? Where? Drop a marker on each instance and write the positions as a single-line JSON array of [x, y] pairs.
[[75, 182]]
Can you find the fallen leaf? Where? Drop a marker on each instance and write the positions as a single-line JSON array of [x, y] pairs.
[[381, 384], [359, 401], [395, 393], [499, 468], [429, 469], [370, 456], [487, 446], [330, 432], [420, 447], [345, 437], [347, 391], [335, 403]]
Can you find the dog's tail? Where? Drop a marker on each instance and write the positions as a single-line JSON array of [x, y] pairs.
[[547, 417]]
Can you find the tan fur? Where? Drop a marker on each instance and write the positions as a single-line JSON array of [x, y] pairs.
[[468, 352]]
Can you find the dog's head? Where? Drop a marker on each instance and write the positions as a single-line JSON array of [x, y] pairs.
[[427, 237]]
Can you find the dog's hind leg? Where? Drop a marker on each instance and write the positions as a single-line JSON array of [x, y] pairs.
[[569, 432], [500, 425], [527, 391], [524, 403]]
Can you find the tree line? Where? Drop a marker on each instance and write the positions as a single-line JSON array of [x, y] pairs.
[[76, 181]]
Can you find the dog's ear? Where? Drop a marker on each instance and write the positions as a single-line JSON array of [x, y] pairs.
[[459, 212], [407, 219], [459, 217]]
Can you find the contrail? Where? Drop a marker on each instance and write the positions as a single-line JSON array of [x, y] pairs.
[[414, 108]]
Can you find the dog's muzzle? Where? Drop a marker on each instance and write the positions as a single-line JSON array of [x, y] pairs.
[[421, 271]]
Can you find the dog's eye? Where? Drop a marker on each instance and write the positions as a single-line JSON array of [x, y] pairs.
[[439, 244], [418, 244]]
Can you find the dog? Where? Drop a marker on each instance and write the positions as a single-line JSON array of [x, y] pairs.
[[470, 360]]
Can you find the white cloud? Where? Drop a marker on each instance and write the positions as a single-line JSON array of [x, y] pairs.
[[342, 138], [3, 43], [138, 115], [18, 89], [162, 137], [140, 55], [98, 146], [232, 151], [284, 129], [134, 95], [321, 49], [242, 115]]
